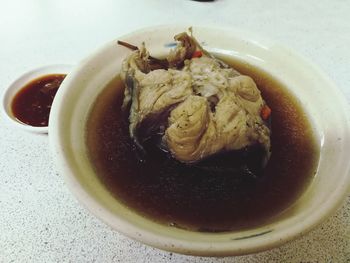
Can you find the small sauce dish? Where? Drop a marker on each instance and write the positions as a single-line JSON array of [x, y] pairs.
[[27, 101]]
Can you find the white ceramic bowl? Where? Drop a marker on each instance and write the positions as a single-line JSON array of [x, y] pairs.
[[19, 83], [319, 97]]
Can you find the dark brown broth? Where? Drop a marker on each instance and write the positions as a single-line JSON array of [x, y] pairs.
[[166, 192], [32, 104]]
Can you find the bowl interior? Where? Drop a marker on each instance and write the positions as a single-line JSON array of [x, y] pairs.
[[321, 101]]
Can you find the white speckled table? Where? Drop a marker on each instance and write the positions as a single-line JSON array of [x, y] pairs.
[[40, 220]]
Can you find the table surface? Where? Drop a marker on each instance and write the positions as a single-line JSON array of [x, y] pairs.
[[40, 220]]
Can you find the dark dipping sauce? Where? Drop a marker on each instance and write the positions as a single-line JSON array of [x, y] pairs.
[[32, 104], [186, 197]]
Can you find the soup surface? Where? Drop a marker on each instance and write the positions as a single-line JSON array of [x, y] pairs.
[[171, 193]]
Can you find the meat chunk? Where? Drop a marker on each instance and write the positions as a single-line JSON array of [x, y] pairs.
[[195, 131], [206, 106]]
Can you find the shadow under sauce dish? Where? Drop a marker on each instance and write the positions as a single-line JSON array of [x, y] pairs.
[[185, 196]]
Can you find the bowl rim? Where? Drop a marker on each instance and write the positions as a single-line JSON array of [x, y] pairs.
[[202, 248]]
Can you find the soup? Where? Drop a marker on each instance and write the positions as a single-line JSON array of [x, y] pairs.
[[166, 191]]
